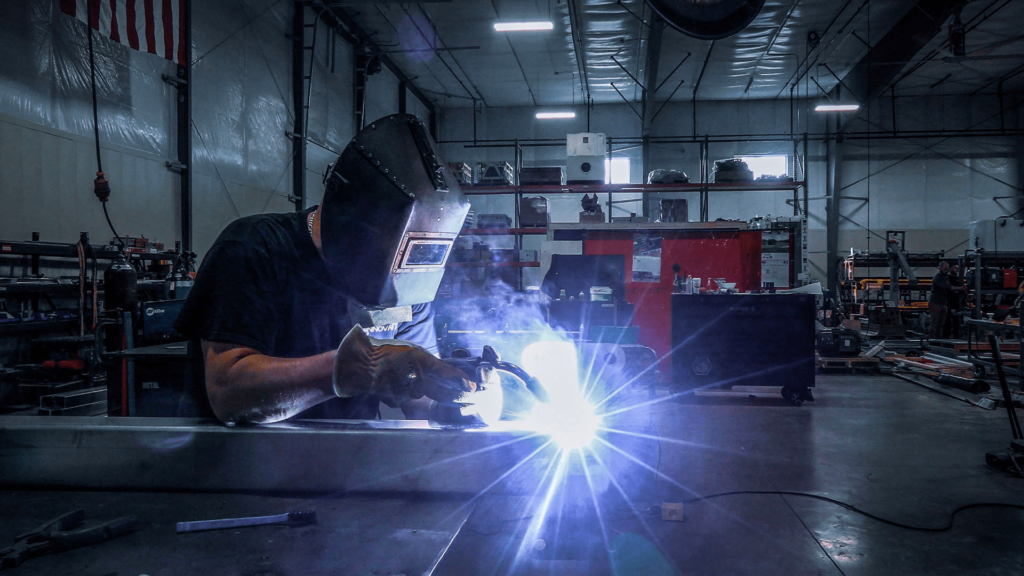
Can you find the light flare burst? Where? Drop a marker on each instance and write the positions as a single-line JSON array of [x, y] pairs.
[[572, 423], [568, 419]]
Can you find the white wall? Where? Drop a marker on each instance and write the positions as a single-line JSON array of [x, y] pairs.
[[47, 187], [47, 155], [242, 107]]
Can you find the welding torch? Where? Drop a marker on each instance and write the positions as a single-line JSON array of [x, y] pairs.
[[462, 360], [491, 400]]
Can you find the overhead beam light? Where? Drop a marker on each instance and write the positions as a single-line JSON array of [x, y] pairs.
[[837, 107], [522, 26], [555, 115]]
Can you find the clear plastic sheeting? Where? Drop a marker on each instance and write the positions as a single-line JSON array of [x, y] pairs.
[[611, 34], [764, 59], [241, 111], [330, 123], [472, 60], [46, 81], [381, 95], [241, 90]]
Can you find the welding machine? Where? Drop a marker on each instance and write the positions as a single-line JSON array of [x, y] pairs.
[[838, 342], [726, 340]]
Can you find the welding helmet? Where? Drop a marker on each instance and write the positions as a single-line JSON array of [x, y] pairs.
[[390, 215]]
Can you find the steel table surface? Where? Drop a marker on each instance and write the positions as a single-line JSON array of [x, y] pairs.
[[355, 534]]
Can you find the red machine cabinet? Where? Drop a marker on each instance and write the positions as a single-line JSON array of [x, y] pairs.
[[731, 254]]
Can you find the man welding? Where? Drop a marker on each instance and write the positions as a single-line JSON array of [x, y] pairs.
[[272, 318]]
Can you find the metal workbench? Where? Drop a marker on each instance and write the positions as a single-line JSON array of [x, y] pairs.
[[392, 497], [976, 325], [295, 456]]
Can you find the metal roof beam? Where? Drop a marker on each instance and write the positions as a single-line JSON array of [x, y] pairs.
[[657, 27], [576, 34], [355, 31], [881, 66]]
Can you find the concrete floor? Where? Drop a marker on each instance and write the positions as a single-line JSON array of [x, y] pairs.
[[883, 445], [878, 443]]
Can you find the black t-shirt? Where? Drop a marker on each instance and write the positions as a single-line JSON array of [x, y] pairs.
[[941, 290], [952, 298], [264, 285]]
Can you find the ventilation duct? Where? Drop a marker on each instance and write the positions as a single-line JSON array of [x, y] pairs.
[[707, 19]]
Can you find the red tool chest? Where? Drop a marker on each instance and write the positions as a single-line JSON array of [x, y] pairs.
[[731, 254]]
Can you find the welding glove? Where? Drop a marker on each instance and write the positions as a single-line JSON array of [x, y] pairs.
[[395, 371]]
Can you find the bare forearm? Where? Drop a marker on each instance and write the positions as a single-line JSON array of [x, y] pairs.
[[247, 387]]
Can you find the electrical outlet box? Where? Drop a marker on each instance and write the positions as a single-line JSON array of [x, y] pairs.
[[672, 511]]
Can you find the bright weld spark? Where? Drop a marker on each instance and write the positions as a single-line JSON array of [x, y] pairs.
[[569, 419], [449, 460], [593, 498], [625, 496], [684, 488], [495, 483], [671, 481], [688, 444], [666, 356], [537, 522], [718, 384]]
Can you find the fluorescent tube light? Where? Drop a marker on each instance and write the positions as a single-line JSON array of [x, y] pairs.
[[837, 107], [554, 115], [522, 26]]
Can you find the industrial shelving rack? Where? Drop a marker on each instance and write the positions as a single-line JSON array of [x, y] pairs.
[[610, 189], [974, 258], [35, 250], [704, 188], [980, 325]]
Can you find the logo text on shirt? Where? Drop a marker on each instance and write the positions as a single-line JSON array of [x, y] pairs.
[[384, 328]]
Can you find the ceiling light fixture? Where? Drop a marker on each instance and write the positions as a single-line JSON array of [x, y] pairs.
[[522, 26], [837, 107], [555, 115]]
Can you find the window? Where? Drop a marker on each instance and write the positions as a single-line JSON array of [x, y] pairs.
[[767, 165], [616, 171]]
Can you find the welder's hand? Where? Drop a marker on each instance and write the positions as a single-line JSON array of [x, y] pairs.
[[395, 371]]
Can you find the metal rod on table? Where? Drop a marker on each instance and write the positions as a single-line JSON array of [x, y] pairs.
[[1007, 398]]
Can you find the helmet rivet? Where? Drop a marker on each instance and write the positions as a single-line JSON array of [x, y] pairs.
[[385, 170]]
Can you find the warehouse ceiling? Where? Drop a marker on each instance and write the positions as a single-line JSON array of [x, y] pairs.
[[453, 54]]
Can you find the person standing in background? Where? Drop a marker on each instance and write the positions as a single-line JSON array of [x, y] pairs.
[[938, 302], [951, 328]]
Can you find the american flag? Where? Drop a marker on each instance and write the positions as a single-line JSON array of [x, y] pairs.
[[154, 26]]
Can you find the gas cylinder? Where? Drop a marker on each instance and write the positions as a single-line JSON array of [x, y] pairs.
[[120, 283]]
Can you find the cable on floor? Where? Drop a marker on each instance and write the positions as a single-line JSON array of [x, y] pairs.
[[945, 528], [656, 510]]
